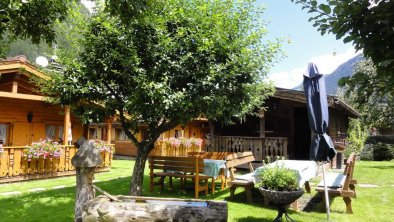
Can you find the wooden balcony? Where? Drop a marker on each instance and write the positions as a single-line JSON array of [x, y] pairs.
[[164, 149], [14, 167], [260, 147]]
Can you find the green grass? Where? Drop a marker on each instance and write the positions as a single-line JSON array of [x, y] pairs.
[[372, 204]]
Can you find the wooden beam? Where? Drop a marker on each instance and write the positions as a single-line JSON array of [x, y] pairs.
[[14, 87], [23, 96], [67, 125], [109, 129], [262, 123]]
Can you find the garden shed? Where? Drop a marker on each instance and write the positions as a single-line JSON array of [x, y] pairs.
[[283, 129]]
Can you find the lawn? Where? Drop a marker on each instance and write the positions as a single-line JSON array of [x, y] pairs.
[[372, 204]]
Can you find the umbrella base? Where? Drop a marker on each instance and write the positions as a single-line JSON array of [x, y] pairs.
[[281, 211]]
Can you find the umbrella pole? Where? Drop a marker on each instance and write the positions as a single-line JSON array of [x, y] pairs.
[[326, 192]]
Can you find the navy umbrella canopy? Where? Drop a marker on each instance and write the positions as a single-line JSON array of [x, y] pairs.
[[322, 147]]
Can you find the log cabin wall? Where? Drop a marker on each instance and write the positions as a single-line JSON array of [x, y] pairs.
[[14, 112], [338, 124]]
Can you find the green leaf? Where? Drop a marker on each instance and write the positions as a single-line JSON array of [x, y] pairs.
[[325, 8]]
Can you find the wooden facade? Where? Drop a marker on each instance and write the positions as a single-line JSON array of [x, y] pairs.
[[26, 117]]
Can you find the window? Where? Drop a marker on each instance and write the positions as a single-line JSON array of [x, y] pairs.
[[3, 133], [120, 135], [93, 133], [54, 133], [50, 132]]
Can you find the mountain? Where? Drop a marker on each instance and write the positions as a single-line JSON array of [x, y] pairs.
[[344, 70]]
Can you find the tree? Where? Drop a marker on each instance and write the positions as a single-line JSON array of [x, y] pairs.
[[368, 24], [376, 109], [178, 60], [31, 19], [357, 137]]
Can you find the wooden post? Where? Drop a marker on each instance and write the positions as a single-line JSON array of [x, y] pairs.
[[109, 129], [15, 83], [85, 161], [262, 123], [67, 125], [14, 87]]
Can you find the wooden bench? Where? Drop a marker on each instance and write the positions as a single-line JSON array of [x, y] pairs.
[[180, 167], [237, 159], [210, 155], [341, 184]]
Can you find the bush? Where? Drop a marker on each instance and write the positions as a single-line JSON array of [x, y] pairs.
[[357, 134], [383, 152], [380, 139], [367, 152], [279, 178]]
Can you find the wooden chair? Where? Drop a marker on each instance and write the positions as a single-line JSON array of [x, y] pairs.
[[341, 184]]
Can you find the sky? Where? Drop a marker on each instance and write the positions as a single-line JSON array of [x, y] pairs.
[[288, 21]]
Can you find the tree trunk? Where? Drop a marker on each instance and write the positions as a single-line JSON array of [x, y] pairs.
[[137, 177], [154, 209]]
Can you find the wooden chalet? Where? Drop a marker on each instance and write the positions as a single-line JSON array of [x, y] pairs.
[[283, 129], [25, 118]]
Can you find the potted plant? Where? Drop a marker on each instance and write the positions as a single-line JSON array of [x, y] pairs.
[[280, 185]]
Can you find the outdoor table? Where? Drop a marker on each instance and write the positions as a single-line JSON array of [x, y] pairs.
[[215, 169], [304, 169]]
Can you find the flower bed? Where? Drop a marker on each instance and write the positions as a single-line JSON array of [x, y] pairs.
[[177, 146], [44, 149]]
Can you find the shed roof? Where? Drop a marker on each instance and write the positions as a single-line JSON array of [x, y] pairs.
[[299, 96], [21, 65]]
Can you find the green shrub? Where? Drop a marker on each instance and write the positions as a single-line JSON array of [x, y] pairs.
[[367, 152], [383, 152], [380, 139], [279, 178], [357, 134]]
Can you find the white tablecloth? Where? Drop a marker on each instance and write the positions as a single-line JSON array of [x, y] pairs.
[[212, 167], [305, 170]]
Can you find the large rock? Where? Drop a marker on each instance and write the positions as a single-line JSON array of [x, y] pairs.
[[131, 208]]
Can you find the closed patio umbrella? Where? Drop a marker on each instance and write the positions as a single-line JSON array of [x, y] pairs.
[[322, 148]]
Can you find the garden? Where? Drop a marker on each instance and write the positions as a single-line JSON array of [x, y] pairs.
[[54, 199]]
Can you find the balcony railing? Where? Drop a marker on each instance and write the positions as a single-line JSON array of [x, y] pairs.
[[261, 148], [15, 167], [164, 149]]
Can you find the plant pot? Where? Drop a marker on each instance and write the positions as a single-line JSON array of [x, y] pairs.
[[281, 197]]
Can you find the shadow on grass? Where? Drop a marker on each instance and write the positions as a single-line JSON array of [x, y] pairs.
[[382, 167], [254, 219]]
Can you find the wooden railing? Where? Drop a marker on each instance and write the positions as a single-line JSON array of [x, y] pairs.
[[163, 149], [271, 147], [15, 167]]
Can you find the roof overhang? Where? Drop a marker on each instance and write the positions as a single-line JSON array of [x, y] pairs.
[[299, 96], [22, 66]]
